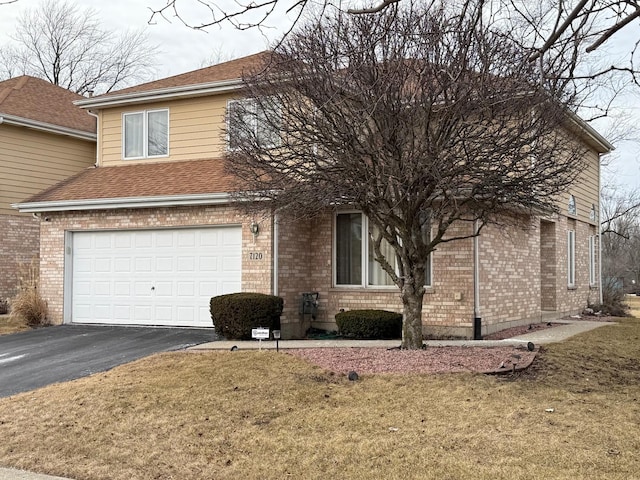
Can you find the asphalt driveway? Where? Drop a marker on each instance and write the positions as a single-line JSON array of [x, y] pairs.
[[35, 358]]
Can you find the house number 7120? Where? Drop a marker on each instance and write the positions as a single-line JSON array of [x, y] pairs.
[[255, 256]]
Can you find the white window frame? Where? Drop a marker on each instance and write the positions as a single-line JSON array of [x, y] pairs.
[[145, 133], [572, 206], [592, 260], [364, 249], [571, 258], [251, 106]]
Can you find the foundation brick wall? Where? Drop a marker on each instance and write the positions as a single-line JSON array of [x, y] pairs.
[[512, 277], [19, 244], [511, 273], [312, 271], [548, 266], [293, 273], [510, 281], [256, 274]]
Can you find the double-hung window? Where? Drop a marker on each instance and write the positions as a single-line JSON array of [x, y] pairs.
[[145, 134], [355, 263], [571, 258], [249, 120]]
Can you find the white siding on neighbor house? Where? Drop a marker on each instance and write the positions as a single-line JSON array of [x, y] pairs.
[[153, 277]]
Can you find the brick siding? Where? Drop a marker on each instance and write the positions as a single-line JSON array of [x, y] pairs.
[[19, 243], [513, 274], [256, 274]]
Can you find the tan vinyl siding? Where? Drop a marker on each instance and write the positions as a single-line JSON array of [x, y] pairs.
[[196, 130], [31, 161], [585, 190]]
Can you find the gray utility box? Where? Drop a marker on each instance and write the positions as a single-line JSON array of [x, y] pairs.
[[309, 304]]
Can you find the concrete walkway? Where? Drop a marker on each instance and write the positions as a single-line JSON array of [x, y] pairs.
[[540, 337], [13, 474]]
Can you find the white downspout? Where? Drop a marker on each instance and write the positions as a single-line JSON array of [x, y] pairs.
[[598, 226], [476, 277], [275, 254]]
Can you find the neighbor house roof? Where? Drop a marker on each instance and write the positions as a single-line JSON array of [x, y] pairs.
[[217, 78], [33, 102], [193, 182]]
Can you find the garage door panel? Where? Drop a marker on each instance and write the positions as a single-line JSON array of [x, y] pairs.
[[186, 239], [102, 312], [142, 239], [231, 237], [208, 264], [143, 264], [121, 313], [229, 287], [164, 239], [164, 264], [122, 265], [209, 239], [103, 289], [164, 289], [231, 264], [153, 277]]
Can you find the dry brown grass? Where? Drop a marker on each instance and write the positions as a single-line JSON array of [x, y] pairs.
[[9, 325], [261, 415], [28, 305]]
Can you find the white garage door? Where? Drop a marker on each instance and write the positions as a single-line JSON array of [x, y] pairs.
[[153, 277]]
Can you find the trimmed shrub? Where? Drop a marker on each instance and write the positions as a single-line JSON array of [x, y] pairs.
[[370, 324], [234, 315]]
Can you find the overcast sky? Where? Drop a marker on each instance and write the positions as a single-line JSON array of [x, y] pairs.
[[184, 49]]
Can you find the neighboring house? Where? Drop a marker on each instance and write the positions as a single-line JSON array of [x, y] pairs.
[[152, 233], [44, 138]]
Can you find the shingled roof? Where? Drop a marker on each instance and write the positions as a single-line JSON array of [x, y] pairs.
[[151, 180], [38, 100], [231, 70]]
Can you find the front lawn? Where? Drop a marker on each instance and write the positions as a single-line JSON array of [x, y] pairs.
[[261, 415], [9, 324]]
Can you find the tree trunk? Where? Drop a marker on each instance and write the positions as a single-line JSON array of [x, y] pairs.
[[412, 318]]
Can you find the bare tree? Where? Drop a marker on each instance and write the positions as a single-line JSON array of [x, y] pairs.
[[218, 55], [620, 229], [422, 117], [68, 47], [555, 22], [619, 211]]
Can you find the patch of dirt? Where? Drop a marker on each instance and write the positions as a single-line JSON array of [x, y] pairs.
[[430, 360], [437, 359]]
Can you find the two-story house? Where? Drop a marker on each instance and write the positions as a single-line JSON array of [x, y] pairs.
[[152, 233], [44, 138]]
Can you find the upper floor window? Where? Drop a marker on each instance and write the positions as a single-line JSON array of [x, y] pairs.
[[253, 121], [592, 213], [571, 206], [355, 263], [145, 134]]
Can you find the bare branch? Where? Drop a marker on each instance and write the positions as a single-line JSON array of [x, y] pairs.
[[378, 8], [614, 29], [68, 47], [359, 112]]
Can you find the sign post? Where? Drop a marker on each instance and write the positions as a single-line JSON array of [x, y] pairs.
[[260, 334]]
